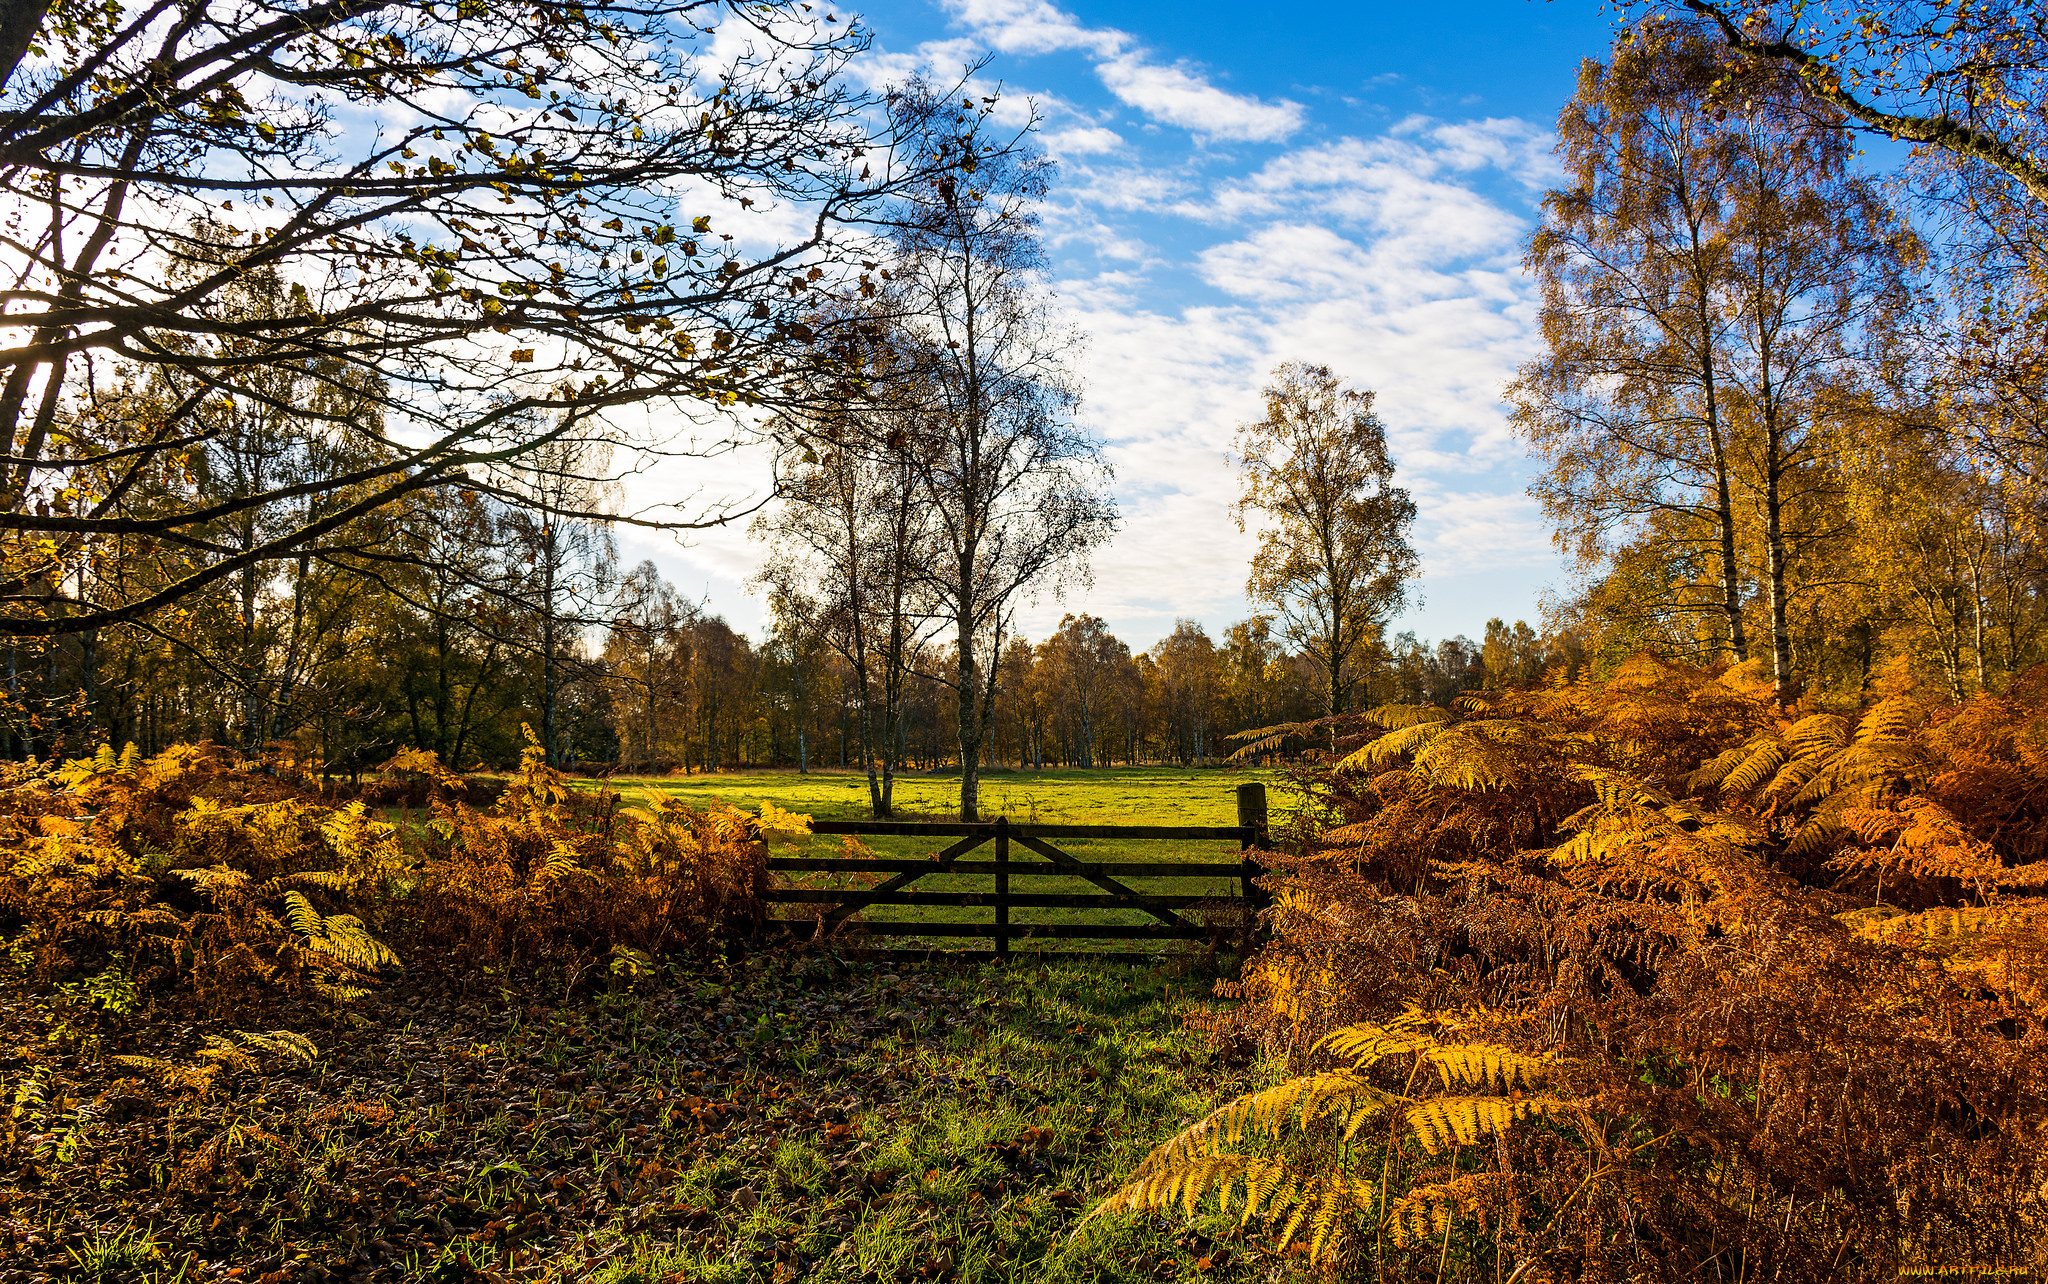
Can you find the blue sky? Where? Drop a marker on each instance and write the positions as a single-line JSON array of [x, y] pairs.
[[1347, 184]]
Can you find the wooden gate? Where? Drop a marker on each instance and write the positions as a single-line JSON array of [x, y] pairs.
[[1040, 859]]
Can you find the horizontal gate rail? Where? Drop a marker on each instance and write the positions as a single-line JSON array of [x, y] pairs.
[[1046, 869], [987, 829], [1024, 900], [1049, 931], [1249, 833]]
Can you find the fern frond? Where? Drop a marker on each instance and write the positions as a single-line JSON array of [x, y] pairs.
[[1345, 1097], [328, 879], [1443, 1122], [345, 937], [1425, 1213], [1367, 1045], [286, 1045], [1382, 751], [1741, 769], [1816, 832], [299, 912], [1889, 721], [782, 824], [215, 880], [342, 937], [1397, 717], [176, 1075], [1486, 1065], [227, 1054], [561, 863]]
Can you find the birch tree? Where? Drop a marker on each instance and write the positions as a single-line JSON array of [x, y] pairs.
[[1333, 558]]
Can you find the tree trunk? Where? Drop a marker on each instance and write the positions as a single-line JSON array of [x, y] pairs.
[[1724, 513], [969, 677], [1774, 536]]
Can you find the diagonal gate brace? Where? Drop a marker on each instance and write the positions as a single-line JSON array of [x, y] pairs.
[[1106, 883], [940, 862]]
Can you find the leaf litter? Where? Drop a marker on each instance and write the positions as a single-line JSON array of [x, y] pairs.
[[774, 1119]]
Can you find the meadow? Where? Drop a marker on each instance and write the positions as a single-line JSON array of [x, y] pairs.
[[1105, 796]]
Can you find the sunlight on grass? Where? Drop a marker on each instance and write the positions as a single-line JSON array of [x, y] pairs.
[[1110, 796]]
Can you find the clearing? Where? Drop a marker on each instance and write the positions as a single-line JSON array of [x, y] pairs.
[[1110, 796]]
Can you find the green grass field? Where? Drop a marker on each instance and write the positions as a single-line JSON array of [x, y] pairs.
[[1110, 796]]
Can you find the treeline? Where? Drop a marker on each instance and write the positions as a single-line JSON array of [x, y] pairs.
[[502, 621]]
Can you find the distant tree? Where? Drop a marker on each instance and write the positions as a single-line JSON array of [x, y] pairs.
[[1082, 665], [848, 544], [1335, 560], [561, 570], [1188, 678], [647, 661], [799, 645], [1014, 490], [1513, 657], [1018, 694]]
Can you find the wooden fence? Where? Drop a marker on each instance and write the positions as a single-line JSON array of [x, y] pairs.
[[1044, 860]]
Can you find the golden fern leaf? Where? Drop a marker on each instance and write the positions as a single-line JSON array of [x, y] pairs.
[[215, 879], [1816, 832], [173, 1074], [1263, 745], [1413, 1221], [1382, 751], [1186, 1184], [1426, 1212], [329, 879], [783, 824], [1442, 1122], [1741, 769], [561, 863], [1890, 720], [1295, 1103], [305, 920], [1397, 717], [227, 1054], [1487, 1065], [1367, 1045], [286, 1045], [1476, 755], [1818, 734]]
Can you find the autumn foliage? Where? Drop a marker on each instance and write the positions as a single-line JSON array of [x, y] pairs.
[[211, 875], [1782, 970]]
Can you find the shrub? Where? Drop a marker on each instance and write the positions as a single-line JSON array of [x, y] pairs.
[[212, 874], [192, 867], [1790, 961], [552, 873]]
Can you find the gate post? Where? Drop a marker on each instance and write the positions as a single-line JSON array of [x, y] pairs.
[[1002, 887], [1251, 816]]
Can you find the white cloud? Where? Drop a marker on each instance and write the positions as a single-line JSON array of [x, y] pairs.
[[1035, 27], [1394, 258], [1122, 187], [1381, 257], [1177, 96], [1172, 95], [1090, 140]]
